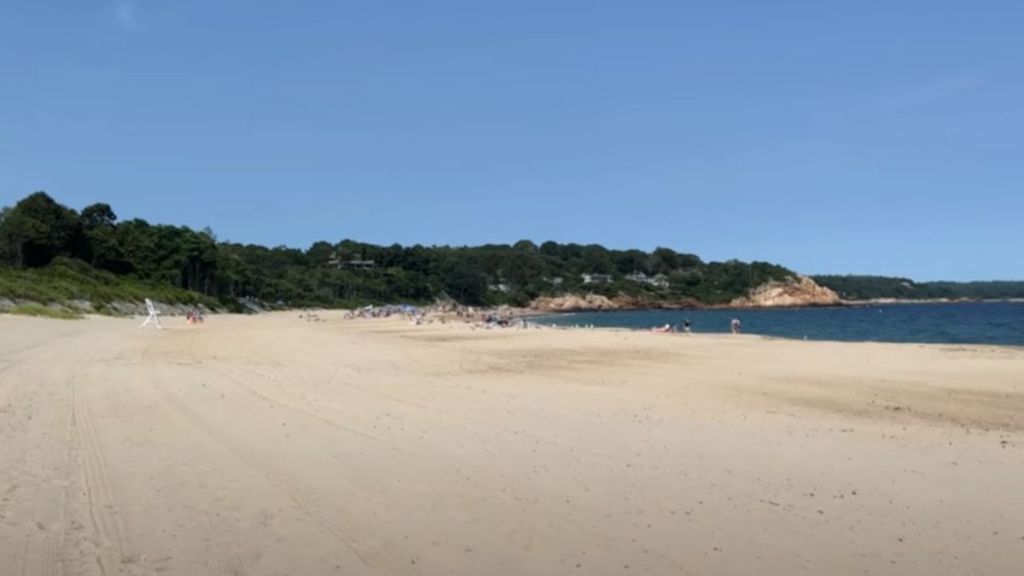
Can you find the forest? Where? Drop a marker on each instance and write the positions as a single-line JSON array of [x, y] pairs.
[[51, 249]]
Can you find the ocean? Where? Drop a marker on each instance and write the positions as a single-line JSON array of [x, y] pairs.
[[945, 323]]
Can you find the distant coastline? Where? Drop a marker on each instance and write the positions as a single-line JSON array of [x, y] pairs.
[[897, 301], [689, 305]]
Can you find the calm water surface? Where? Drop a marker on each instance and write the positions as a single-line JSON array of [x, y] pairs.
[[959, 323]]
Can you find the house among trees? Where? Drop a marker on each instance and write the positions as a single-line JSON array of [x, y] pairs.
[[338, 263], [361, 264], [658, 281], [591, 278]]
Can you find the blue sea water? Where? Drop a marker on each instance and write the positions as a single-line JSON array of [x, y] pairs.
[[946, 323]]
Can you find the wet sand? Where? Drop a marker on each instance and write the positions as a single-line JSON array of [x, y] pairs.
[[269, 445]]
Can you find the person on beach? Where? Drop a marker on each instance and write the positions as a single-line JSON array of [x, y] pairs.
[[735, 325], [686, 326]]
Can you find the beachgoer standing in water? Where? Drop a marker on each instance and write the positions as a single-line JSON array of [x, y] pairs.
[[735, 325]]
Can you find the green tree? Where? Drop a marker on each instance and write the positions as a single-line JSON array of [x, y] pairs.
[[38, 229], [525, 246], [99, 223], [99, 215], [320, 254], [465, 283]]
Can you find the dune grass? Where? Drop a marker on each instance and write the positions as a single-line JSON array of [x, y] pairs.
[[40, 311], [67, 281]]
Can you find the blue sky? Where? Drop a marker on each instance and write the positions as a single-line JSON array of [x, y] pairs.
[[861, 137]]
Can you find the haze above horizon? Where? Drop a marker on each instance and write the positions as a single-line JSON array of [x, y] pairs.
[[870, 138]]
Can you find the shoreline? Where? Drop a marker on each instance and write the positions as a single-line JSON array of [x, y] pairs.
[[784, 326], [754, 335]]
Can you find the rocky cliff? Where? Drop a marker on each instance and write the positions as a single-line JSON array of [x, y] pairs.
[[578, 303], [573, 303], [795, 291]]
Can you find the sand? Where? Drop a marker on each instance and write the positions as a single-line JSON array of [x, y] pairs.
[[269, 445]]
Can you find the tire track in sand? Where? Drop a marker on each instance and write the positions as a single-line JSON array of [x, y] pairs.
[[47, 467], [318, 512], [109, 541]]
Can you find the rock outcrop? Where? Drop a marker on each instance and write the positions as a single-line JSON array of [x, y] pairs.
[[795, 291], [573, 303], [592, 302]]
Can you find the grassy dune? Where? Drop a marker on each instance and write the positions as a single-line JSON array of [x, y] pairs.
[[69, 283], [41, 311]]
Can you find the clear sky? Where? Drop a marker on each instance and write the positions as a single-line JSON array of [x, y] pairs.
[[863, 137]]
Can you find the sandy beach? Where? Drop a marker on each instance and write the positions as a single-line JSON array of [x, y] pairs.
[[269, 445]]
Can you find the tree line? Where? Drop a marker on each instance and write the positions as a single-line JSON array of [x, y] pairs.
[[38, 232]]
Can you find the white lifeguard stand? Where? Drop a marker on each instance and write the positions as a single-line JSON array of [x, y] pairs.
[[154, 315]]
